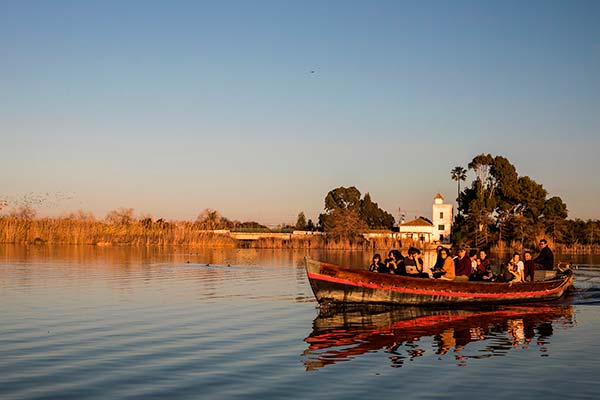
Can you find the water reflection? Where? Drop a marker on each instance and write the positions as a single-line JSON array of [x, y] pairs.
[[136, 256], [341, 335]]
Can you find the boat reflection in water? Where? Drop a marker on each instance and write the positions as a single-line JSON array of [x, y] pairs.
[[341, 334]]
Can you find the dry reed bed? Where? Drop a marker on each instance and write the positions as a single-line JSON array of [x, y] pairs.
[[182, 233], [65, 231]]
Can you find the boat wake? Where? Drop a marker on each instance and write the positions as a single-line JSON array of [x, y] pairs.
[[587, 296], [587, 286]]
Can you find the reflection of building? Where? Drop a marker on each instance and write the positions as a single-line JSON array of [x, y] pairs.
[[427, 231]]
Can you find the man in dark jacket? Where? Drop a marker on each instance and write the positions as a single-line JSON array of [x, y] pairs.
[[529, 266], [546, 258], [463, 265]]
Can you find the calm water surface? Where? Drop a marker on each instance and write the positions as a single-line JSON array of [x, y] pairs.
[[88, 322]]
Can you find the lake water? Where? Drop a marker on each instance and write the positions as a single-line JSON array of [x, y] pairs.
[[123, 323]]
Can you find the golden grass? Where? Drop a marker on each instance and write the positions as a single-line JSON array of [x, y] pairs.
[[70, 231], [75, 231]]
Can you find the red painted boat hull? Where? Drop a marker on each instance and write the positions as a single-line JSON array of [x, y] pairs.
[[335, 284]]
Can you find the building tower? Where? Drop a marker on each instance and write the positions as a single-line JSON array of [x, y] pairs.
[[442, 220]]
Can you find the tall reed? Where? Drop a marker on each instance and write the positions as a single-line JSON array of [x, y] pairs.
[[73, 231], [159, 233]]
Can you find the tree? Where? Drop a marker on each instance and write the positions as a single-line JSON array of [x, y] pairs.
[[210, 219], [478, 201], [342, 198], [520, 201], [301, 222], [310, 225], [375, 217], [250, 225], [554, 207], [146, 222], [500, 204], [338, 204], [575, 232], [122, 216], [458, 174], [346, 212], [344, 223], [591, 231], [554, 215]]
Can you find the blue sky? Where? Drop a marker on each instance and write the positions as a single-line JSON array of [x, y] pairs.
[[173, 107]]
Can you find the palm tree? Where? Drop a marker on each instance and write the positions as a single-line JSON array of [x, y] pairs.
[[458, 174]]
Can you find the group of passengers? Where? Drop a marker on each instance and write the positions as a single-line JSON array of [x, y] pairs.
[[473, 265], [396, 263], [518, 270]]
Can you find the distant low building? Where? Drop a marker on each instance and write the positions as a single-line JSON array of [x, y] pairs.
[[438, 231], [417, 229]]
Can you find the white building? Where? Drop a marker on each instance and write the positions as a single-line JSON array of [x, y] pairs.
[[437, 230], [442, 220], [417, 229]]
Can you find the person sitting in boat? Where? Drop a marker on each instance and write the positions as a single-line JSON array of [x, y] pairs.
[[446, 270], [395, 262], [516, 268], [438, 260], [484, 269], [529, 271], [546, 258], [377, 265], [414, 264], [473, 258], [462, 265]]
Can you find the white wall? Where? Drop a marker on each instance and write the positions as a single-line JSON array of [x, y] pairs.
[[444, 219]]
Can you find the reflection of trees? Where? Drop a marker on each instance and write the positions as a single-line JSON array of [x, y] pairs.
[[348, 334]]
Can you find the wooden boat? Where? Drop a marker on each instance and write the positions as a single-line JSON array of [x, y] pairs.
[[336, 284]]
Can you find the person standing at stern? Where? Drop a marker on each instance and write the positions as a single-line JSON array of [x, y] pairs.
[[546, 257]]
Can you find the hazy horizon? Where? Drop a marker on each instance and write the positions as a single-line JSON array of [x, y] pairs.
[[258, 110]]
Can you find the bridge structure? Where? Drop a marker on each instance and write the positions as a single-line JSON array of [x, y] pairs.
[[246, 236]]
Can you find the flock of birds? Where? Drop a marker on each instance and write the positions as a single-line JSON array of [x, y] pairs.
[[47, 200]]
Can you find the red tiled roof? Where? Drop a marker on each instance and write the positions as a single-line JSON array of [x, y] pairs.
[[438, 196], [417, 222]]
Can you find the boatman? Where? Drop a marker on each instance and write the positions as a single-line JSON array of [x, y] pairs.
[[546, 258]]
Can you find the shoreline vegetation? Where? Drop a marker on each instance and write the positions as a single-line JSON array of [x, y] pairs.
[[499, 211], [67, 231]]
